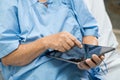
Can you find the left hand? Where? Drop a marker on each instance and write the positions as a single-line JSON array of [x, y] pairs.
[[95, 60]]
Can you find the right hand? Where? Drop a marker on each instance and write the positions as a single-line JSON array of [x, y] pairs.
[[62, 41]]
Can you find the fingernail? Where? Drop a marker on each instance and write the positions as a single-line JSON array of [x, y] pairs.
[[102, 57], [81, 45]]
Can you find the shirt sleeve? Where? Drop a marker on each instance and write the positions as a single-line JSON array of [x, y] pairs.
[[9, 30], [85, 19]]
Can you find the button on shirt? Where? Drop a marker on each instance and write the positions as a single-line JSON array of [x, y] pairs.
[[24, 21]]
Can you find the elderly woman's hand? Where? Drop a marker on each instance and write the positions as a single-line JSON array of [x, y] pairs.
[[62, 41], [95, 60], [90, 63]]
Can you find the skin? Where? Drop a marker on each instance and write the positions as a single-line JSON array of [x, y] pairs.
[[62, 41], [42, 1]]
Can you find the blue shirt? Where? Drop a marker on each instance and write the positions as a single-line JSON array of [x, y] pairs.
[[24, 21]]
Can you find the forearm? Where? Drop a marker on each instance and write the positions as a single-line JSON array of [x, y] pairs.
[[25, 53], [28, 52]]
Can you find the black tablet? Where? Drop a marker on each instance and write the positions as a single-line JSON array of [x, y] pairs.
[[77, 54]]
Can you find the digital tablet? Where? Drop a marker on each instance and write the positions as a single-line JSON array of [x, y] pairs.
[[77, 54]]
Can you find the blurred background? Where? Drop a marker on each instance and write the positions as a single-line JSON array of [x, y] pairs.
[[113, 9]]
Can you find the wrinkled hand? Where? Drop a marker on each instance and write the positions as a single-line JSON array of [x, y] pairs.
[[95, 60], [62, 41], [90, 63]]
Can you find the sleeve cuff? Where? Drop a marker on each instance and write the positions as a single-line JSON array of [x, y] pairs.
[[90, 32], [7, 50]]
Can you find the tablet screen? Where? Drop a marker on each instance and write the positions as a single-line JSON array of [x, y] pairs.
[[77, 54]]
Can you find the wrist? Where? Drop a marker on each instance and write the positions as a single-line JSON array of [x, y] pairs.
[[44, 43], [90, 40]]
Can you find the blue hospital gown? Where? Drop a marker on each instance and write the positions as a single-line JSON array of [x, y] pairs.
[[24, 21]]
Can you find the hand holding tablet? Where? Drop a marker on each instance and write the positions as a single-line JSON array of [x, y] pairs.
[[76, 54]]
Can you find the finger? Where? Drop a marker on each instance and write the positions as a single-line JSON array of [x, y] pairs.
[[61, 49], [69, 42], [82, 65], [96, 59], [90, 63], [77, 42], [102, 57], [66, 46]]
